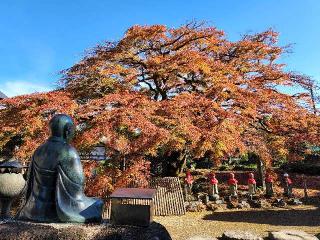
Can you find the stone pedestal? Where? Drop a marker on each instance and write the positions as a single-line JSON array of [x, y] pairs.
[[5, 207], [14, 230]]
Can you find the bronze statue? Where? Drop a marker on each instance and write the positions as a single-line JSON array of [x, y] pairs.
[[54, 191]]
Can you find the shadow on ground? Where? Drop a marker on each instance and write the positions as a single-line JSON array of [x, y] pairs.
[[292, 217]]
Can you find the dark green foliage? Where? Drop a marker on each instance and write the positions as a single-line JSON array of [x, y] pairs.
[[200, 185], [204, 163], [301, 167], [280, 162], [313, 159], [246, 167], [225, 167]]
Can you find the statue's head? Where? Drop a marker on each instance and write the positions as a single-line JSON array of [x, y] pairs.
[[62, 126]]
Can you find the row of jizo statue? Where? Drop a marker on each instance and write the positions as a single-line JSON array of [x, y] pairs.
[[53, 191], [233, 185]]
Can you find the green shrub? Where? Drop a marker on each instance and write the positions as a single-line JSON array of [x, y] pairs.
[[224, 167], [279, 163], [248, 167], [301, 167]]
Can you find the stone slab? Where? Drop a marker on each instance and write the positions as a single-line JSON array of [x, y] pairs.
[[14, 230], [240, 235], [291, 235]]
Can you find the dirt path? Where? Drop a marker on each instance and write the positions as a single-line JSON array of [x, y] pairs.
[[213, 224]]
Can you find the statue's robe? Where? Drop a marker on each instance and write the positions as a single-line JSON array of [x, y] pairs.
[[55, 187]]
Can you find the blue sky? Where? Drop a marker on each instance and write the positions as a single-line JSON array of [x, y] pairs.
[[40, 38]]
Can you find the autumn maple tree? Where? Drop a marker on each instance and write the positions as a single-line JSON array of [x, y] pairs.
[[168, 94], [24, 120]]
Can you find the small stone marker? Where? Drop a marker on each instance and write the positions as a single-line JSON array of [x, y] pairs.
[[188, 185], [287, 186], [291, 235], [201, 238], [240, 235], [269, 185], [252, 185], [214, 191], [279, 203], [194, 206], [295, 201], [233, 186]]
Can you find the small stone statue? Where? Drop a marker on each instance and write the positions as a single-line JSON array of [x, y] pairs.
[[213, 181], [287, 186], [188, 184], [252, 184], [269, 185], [55, 181], [233, 185]]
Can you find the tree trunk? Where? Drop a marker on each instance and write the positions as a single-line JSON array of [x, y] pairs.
[[182, 165], [313, 101], [174, 164], [254, 158], [261, 172]]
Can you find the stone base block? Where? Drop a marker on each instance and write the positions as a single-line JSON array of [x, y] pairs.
[[14, 230]]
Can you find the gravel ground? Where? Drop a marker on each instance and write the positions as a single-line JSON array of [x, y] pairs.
[[213, 224]]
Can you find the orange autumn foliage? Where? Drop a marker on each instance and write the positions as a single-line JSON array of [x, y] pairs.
[[27, 117], [160, 91]]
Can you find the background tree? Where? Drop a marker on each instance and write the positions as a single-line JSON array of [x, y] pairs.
[[167, 94], [24, 120], [311, 86]]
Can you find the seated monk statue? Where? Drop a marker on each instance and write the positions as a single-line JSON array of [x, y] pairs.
[[54, 190]]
